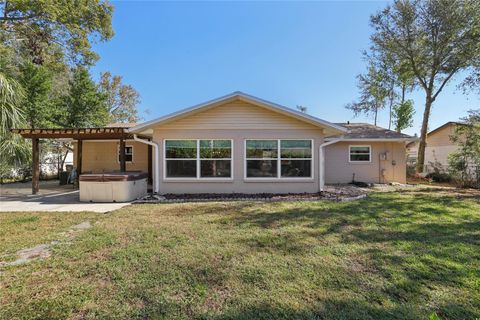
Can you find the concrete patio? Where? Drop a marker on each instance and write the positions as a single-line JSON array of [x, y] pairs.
[[15, 197]]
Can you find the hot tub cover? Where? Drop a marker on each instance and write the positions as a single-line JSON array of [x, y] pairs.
[[114, 176]]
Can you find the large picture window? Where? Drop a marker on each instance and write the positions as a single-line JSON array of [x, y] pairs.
[[198, 159], [359, 153], [278, 158]]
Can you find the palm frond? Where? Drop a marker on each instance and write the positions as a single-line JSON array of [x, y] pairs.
[[11, 96]]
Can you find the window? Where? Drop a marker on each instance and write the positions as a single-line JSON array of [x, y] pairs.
[[198, 159], [128, 153], [215, 158], [360, 154], [278, 158]]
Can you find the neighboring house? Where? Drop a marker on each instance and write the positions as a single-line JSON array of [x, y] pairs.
[[242, 144], [439, 146]]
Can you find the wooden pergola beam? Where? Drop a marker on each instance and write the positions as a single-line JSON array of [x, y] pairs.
[[79, 134]]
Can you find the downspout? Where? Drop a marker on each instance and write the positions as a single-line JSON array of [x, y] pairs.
[[321, 156], [156, 175]]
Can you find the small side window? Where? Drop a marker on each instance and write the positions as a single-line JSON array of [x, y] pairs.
[[360, 154]]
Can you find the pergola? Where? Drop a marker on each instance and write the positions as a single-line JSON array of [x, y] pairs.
[[79, 134]]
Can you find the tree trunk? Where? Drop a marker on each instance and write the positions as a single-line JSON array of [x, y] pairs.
[[423, 133], [376, 113]]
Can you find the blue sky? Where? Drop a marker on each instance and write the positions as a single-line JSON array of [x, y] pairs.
[[178, 54]]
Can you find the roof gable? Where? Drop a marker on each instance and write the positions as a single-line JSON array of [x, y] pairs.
[[330, 128]]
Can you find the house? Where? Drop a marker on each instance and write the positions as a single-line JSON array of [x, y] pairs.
[[438, 147], [239, 143]]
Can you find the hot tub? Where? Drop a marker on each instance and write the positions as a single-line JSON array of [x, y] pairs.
[[113, 187]]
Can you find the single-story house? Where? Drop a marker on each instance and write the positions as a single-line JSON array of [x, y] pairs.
[[239, 143], [439, 146]]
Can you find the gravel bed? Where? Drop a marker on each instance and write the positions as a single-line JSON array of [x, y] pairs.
[[333, 193]]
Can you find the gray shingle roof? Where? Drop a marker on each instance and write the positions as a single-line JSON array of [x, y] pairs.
[[369, 131]]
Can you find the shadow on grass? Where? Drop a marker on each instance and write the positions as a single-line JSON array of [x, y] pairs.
[[416, 241], [333, 309]]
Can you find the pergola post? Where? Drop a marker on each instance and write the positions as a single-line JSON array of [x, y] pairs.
[[79, 156], [35, 165], [123, 166]]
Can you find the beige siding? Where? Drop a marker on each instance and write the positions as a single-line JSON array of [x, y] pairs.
[[101, 156], [238, 115], [239, 184], [439, 146], [338, 169], [441, 137]]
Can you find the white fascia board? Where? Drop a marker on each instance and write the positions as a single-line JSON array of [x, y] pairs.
[[376, 139]]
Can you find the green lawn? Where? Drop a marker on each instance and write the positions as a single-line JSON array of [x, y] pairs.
[[403, 255]]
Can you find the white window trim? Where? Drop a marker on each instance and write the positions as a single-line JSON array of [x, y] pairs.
[[279, 162], [197, 159], [360, 161], [118, 153]]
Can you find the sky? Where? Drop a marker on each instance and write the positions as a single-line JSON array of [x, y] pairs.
[[179, 54]]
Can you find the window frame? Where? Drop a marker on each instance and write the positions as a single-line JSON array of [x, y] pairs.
[[279, 161], [360, 161], [198, 160], [126, 146]]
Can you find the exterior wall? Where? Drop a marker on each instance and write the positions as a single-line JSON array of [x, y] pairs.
[[102, 156], [338, 169], [239, 121], [239, 184], [439, 146]]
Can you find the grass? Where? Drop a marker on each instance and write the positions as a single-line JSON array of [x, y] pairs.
[[403, 255]]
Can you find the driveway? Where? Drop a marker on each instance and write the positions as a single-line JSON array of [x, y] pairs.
[[16, 197]]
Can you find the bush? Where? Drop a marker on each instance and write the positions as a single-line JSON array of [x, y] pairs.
[[463, 172], [439, 173]]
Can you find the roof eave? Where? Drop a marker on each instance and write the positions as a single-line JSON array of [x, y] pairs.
[[373, 139]]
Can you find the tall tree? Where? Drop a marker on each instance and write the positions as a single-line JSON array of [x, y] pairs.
[[42, 27], [122, 99], [84, 105], [374, 90], [37, 84], [436, 39]]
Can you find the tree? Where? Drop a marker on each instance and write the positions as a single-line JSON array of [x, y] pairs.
[[11, 96], [121, 99], [436, 39], [41, 28], [373, 92], [464, 164], [403, 115], [84, 105], [302, 109], [13, 149], [37, 84]]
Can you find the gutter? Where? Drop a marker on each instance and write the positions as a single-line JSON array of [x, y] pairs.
[[156, 175], [321, 154]]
